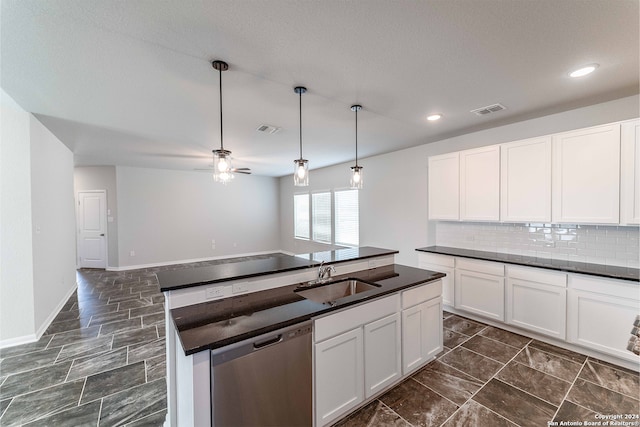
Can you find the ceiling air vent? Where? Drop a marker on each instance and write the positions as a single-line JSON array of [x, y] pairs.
[[268, 129], [483, 111]]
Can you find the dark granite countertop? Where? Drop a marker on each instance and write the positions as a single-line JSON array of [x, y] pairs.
[[275, 263], [607, 271], [215, 324]]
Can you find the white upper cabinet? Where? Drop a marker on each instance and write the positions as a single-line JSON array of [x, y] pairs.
[[630, 173], [480, 184], [443, 188], [525, 180], [586, 176]]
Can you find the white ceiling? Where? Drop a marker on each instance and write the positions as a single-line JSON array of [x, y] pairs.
[[131, 83]]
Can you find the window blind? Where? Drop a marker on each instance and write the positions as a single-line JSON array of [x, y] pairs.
[[321, 217], [347, 218], [301, 216]]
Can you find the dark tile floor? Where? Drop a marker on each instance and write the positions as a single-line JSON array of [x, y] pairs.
[[490, 377], [102, 363]]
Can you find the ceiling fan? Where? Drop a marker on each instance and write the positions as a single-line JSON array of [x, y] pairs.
[[245, 171]]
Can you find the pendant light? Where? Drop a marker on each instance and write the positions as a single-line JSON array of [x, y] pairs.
[[221, 158], [356, 171], [301, 165]]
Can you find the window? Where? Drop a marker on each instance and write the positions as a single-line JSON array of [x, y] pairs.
[[330, 217], [301, 216], [347, 218], [321, 217]]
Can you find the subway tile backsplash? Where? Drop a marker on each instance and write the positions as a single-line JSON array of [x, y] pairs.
[[596, 244]]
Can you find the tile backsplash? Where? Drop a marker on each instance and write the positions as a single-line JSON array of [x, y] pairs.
[[596, 244]]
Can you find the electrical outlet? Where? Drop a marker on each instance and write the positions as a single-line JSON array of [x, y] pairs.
[[240, 287], [213, 243], [132, 253], [372, 264], [216, 292]]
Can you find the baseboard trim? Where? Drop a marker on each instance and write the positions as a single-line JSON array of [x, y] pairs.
[[41, 330], [12, 342], [29, 338], [186, 261]]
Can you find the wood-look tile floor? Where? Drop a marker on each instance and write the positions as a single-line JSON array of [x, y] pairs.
[[102, 363], [490, 377]]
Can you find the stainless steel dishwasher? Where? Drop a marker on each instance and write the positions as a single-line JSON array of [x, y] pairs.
[[264, 381]]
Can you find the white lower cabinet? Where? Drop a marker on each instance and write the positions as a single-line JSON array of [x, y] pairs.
[[480, 288], [359, 351], [339, 375], [537, 300], [382, 364], [601, 314], [421, 340], [442, 264]]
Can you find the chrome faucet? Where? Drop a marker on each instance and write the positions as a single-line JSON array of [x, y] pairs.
[[324, 272]]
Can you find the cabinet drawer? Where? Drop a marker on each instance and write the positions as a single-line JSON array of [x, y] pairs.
[[420, 294], [437, 259], [537, 275], [487, 267], [609, 287], [355, 317]]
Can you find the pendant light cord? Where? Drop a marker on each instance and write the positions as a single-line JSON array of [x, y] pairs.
[[356, 137], [300, 94], [220, 72]]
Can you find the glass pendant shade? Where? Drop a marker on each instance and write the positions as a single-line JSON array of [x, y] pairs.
[[356, 177], [222, 166], [301, 173]]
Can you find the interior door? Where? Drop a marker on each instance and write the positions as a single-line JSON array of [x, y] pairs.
[[92, 229]]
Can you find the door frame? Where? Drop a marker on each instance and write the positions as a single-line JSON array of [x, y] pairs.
[[106, 227]]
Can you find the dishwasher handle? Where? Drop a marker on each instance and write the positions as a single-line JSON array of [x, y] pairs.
[[266, 343]]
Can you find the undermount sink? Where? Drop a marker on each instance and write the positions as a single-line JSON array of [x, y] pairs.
[[329, 293]]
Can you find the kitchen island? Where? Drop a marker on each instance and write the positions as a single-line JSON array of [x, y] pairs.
[[224, 305]]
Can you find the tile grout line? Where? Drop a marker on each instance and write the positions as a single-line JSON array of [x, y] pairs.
[[399, 416], [486, 382], [564, 399], [605, 387]]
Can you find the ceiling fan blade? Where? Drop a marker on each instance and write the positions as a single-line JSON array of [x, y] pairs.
[[241, 169], [242, 172]]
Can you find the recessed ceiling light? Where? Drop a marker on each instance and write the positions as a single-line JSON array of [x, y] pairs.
[[583, 71], [434, 117]]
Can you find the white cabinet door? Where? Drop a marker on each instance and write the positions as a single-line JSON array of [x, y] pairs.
[[480, 184], [421, 334], [630, 173], [586, 176], [448, 281], [480, 293], [525, 180], [601, 322], [339, 376], [537, 307], [433, 328], [443, 187], [382, 364]]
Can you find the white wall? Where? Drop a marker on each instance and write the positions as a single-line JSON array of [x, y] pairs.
[[37, 225], [168, 216], [53, 224], [393, 202], [89, 178], [16, 260]]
